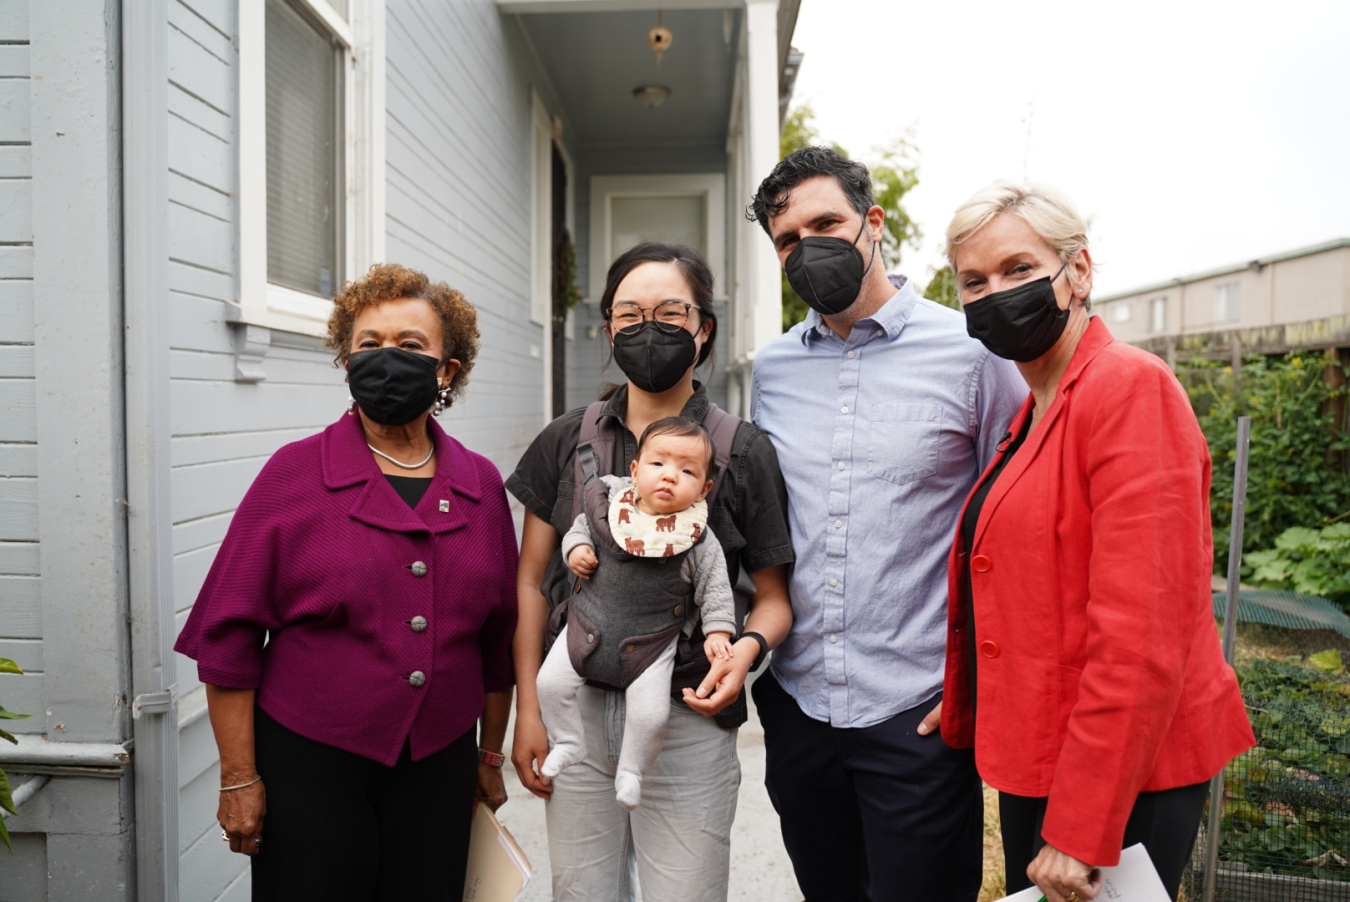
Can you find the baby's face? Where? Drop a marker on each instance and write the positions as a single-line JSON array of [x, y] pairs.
[[672, 473]]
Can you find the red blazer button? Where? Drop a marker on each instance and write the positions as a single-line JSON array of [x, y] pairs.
[[981, 564], [989, 649]]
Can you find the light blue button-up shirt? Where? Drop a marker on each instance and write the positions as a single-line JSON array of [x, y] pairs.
[[880, 438]]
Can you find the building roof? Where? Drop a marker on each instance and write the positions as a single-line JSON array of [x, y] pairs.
[[1256, 264]]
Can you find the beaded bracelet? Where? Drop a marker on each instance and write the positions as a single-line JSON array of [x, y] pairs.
[[491, 759]]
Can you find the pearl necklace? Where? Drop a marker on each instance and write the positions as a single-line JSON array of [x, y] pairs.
[[397, 463]]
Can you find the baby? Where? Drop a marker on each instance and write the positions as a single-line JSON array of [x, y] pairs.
[[645, 559]]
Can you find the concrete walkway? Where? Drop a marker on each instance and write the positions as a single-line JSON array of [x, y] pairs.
[[760, 870]]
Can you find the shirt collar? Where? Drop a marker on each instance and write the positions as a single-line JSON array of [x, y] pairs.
[[696, 408], [891, 318]]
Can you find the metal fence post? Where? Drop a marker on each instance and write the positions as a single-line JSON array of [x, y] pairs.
[[1244, 434]]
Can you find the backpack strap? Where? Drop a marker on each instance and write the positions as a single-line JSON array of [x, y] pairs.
[[595, 454], [722, 427]]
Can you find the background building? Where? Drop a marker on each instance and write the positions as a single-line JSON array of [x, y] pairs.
[[1298, 299], [182, 183]]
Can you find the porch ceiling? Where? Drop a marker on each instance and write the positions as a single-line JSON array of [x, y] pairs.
[[595, 60]]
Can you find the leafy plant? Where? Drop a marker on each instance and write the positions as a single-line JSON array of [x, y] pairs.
[[1288, 798], [942, 288], [6, 795], [1316, 562], [1297, 473]]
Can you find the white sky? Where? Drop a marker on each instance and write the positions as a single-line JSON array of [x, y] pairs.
[[1192, 134]]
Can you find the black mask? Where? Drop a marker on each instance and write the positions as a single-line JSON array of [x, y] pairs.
[[828, 272], [1021, 323], [654, 359], [392, 386]]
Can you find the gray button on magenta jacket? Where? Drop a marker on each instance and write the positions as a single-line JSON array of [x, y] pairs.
[[385, 623]]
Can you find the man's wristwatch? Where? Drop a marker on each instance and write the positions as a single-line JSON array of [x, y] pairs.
[[491, 759], [763, 648]]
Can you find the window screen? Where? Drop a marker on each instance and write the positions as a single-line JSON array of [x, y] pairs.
[[304, 157]]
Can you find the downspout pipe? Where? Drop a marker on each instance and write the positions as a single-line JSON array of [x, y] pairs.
[[145, 204]]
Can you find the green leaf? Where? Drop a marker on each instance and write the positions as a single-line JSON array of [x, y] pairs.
[[8, 666], [1330, 661], [9, 736], [4, 834], [6, 796], [10, 715]]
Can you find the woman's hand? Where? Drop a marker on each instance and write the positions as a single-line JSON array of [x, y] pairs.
[[724, 681], [241, 814], [491, 787], [1062, 877], [529, 748]]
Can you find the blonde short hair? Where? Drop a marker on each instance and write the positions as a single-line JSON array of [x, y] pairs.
[[1049, 213]]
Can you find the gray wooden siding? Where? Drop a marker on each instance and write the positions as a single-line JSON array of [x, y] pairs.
[[458, 203], [20, 566]]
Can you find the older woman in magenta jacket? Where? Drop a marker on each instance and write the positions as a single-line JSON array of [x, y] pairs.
[[1083, 662]]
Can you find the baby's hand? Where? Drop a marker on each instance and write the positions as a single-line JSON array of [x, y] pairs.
[[718, 645], [583, 561]]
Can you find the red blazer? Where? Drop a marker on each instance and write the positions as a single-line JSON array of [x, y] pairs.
[[1100, 671]]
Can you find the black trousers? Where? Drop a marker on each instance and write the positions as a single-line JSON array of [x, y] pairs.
[[874, 814], [1166, 822], [343, 828]]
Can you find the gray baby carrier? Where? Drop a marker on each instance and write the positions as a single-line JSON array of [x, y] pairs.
[[611, 645]]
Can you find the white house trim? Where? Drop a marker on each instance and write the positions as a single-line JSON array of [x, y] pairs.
[[711, 186], [363, 38]]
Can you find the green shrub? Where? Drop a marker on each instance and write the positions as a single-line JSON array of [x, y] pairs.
[[1288, 799], [6, 796], [1316, 562], [1297, 471]]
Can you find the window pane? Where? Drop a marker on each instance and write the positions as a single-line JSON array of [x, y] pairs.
[[1158, 314], [680, 220], [1120, 312], [1226, 302], [304, 209]]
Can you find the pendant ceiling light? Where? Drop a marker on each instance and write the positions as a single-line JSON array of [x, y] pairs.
[[659, 38]]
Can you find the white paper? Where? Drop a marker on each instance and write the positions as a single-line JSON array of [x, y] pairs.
[[1133, 880]]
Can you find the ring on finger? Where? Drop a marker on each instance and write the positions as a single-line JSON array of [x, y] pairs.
[[225, 836], [1073, 896]]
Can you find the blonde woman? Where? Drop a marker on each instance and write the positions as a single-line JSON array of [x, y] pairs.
[[1082, 660]]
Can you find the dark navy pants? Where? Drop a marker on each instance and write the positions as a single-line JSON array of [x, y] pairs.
[[873, 814]]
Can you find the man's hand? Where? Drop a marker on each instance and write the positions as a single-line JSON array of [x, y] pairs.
[[529, 748], [582, 561], [930, 723], [1062, 877]]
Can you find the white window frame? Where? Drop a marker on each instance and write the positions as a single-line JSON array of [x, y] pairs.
[[362, 36], [1154, 304], [1228, 292], [1121, 311], [711, 186]]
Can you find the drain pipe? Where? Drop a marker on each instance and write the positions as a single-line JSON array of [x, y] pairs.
[[24, 793]]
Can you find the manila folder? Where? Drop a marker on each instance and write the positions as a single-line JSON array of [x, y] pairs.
[[498, 870]]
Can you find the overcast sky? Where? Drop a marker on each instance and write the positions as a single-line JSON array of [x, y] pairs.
[[1192, 134]]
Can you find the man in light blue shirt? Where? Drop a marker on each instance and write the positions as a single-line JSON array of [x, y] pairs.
[[883, 412]]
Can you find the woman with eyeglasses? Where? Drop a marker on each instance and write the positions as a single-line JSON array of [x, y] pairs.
[[661, 325]]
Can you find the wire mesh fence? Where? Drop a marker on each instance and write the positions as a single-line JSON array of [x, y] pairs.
[[1285, 830]]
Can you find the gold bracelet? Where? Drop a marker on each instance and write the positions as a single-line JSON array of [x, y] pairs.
[[241, 785]]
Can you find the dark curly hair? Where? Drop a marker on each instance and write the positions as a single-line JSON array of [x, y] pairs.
[[390, 281], [800, 165]]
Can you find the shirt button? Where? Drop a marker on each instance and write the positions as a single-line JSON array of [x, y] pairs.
[[989, 649], [418, 624], [418, 568], [850, 355], [834, 639], [881, 333], [838, 524], [417, 679], [844, 409], [981, 564], [833, 581], [841, 465]]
